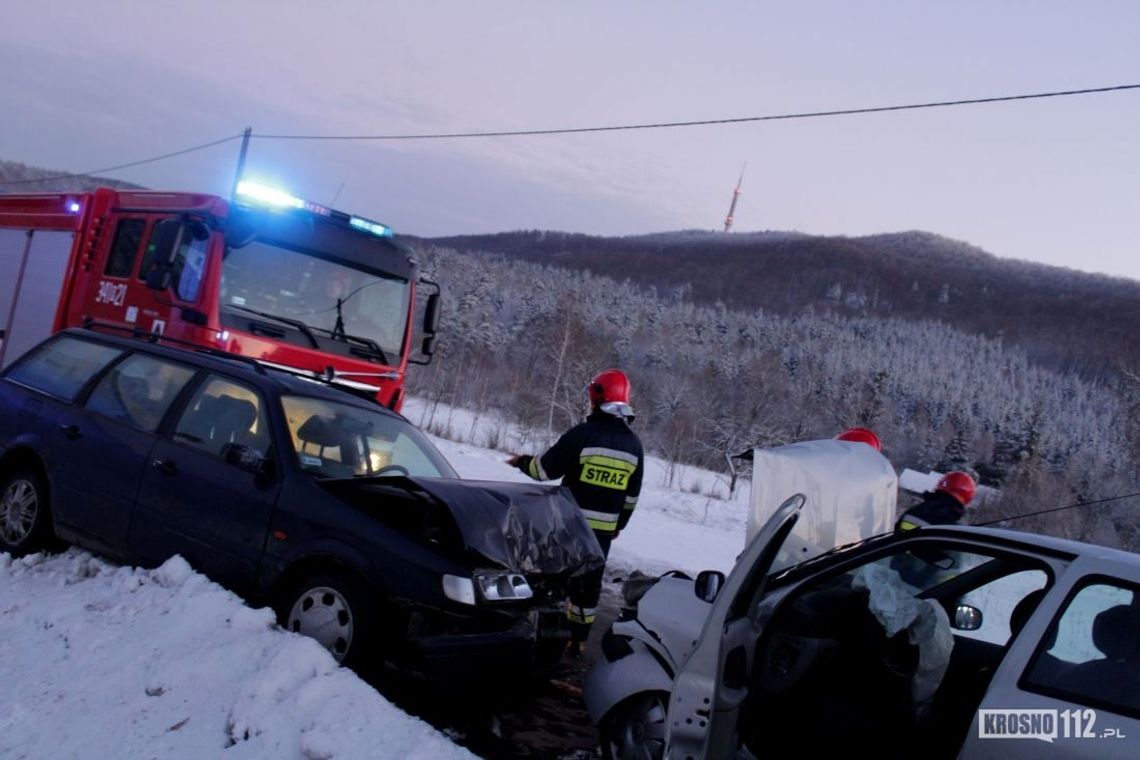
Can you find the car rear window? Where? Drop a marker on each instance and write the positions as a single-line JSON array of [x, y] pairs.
[[1091, 653], [63, 366]]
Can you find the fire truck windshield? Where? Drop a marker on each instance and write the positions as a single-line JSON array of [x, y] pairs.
[[338, 301]]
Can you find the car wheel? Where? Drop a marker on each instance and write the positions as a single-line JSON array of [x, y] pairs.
[[336, 610], [635, 729], [25, 515]]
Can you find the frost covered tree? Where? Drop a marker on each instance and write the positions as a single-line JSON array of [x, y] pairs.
[[524, 337]]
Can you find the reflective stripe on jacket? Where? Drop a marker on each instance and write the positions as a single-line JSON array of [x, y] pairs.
[[602, 463]]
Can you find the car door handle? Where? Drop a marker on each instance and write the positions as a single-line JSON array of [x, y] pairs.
[[71, 432], [165, 466]]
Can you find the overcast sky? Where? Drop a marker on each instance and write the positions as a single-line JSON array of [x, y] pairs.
[[93, 84]]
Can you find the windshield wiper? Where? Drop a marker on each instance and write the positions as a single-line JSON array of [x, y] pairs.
[[301, 326], [371, 349]]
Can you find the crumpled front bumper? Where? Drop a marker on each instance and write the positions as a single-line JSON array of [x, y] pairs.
[[530, 647]]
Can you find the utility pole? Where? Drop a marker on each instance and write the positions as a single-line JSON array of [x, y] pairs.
[[241, 160], [735, 196]]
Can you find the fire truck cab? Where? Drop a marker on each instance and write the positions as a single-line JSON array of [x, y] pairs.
[[270, 276]]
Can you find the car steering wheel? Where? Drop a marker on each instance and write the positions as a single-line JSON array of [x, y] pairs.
[[397, 469]]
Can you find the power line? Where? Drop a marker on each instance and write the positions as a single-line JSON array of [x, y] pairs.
[[707, 122], [1060, 509], [151, 160], [582, 130]]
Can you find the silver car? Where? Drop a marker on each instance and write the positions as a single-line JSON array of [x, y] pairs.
[[939, 642]]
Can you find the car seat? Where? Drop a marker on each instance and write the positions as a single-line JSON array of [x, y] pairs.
[[323, 433], [233, 418], [1047, 668], [1116, 677], [133, 395]]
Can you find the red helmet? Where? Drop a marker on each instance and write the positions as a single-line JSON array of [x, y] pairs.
[[609, 385], [959, 485], [861, 435]]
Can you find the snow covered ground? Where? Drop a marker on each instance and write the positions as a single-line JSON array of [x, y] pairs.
[[101, 661]]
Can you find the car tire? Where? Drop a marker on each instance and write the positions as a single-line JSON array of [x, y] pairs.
[[338, 610], [25, 513], [635, 728]]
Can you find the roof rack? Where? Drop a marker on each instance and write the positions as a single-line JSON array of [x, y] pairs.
[[153, 337], [328, 377]]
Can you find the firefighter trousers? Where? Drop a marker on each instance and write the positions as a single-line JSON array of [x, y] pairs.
[[585, 591]]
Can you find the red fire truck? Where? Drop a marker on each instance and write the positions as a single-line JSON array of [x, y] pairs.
[[270, 276]]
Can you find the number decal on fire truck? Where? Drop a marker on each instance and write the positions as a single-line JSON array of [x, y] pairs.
[[111, 292]]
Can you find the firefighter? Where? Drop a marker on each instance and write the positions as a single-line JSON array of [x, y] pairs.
[[945, 505], [602, 463]]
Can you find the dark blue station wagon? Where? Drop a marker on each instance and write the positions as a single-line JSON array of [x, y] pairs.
[[290, 490]]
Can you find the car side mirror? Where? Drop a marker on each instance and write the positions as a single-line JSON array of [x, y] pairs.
[[967, 618], [708, 584], [246, 458], [240, 230]]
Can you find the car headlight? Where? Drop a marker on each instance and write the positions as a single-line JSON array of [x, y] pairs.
[[489, 587]]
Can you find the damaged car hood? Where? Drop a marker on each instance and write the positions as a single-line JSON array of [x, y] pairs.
[[525, 528]]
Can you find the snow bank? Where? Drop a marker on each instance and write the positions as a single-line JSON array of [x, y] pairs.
[[105, 661]]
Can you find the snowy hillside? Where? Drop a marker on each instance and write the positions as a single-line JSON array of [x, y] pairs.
[[103, 661]]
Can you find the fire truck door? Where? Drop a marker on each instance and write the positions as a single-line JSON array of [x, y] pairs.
[[32, 267]]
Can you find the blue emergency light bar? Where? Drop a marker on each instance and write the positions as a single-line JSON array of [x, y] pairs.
[[268, 196], [377, 229]]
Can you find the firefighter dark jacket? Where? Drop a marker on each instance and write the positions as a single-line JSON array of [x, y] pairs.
[[936, 508], [602, 463]]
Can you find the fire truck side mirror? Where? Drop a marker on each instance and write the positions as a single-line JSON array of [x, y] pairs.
[[164, 242], [430, 326], [431, 315]]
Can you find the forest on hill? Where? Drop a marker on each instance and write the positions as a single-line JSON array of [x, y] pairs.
[[524, 335], [1063, 319], [16, 177]]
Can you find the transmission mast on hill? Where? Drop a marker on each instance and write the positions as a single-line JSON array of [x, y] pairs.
[[735, 196]]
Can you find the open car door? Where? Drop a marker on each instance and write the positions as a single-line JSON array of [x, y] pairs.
[[712, 684]]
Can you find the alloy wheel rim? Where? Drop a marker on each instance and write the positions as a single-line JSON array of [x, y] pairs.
[[642, 734], [18, 510]]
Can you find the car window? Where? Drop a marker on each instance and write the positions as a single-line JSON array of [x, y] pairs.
[[222, 412], [63, 366], [341, 440], [139, 390], [1091, 653], [1000, 602], [125, 247]]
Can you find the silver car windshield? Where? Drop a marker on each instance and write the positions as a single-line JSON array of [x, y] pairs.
[[341, 440]]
